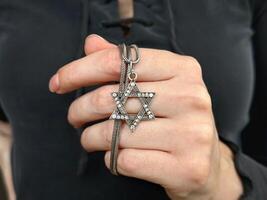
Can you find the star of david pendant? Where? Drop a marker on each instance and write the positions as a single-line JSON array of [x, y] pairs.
[[120, 112]]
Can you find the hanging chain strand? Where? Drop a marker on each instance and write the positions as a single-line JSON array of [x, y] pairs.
[[117, 123], [128, 88]]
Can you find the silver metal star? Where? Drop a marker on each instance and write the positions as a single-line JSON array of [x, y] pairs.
[[120, 112]]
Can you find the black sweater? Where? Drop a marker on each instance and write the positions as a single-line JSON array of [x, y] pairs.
[[228, 37]]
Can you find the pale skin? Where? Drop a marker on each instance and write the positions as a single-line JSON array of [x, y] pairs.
[[5, 160], [180, 149]]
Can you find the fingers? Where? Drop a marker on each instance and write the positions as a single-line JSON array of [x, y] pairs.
[[173, 173], [148, 153], [104, 66], [94, 43], [151, 165], [157, 134], [99, 103]]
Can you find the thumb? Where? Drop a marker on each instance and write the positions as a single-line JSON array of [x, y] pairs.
[[95, 43]]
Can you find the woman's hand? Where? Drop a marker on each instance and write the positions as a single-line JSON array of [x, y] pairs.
[[180, 149]]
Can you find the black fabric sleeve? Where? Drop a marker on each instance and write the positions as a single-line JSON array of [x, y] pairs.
[[2, 115], [255, 134], [252, 174], [251, 165]]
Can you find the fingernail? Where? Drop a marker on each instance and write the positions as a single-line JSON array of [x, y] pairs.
[[54, 83]]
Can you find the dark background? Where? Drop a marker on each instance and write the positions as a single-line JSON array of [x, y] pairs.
[[2, 188]]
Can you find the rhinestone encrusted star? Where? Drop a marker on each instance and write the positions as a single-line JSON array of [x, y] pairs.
[[120, 112]]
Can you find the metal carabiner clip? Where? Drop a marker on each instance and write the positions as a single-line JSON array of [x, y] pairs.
[[137, 54]]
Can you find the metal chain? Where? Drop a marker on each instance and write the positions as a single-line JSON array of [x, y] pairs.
[[118, 123], [127, 76]]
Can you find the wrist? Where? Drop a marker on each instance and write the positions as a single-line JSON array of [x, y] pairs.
[[229, 183]]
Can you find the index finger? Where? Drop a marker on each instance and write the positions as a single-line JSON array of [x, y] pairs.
[[105, 66]]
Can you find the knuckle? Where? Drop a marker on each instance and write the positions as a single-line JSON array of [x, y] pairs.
[[172, 58], [70, 117], [167, 53], [86, 44], [205, 134], [194, 65], [203, 101], [83, 139], [74, 111], [177, 61], [193, 62], [199, 98], [67, 75], [127, 161], [199, 172], [101, 99]]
